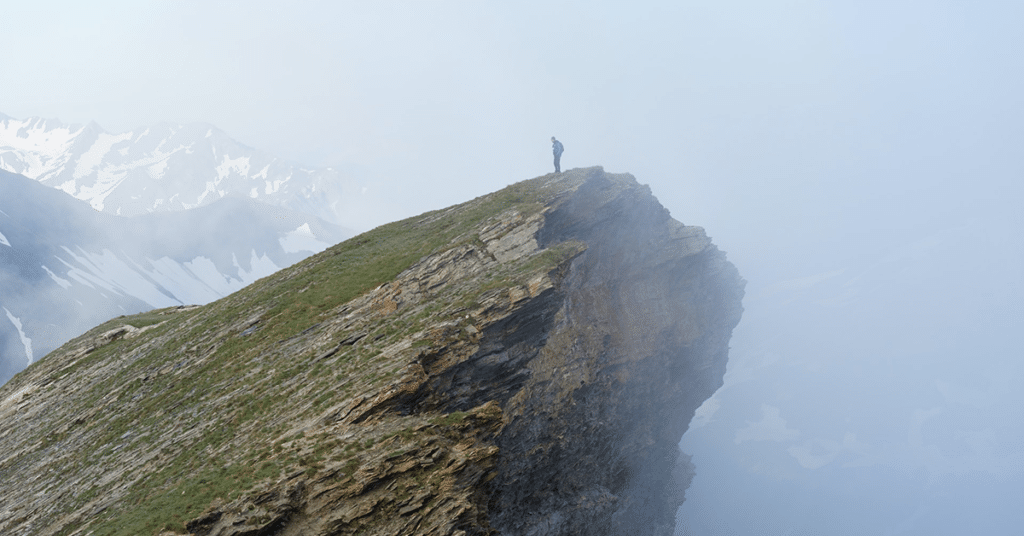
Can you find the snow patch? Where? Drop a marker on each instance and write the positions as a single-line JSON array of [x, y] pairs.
[[92, 158], [73, 273], [157, 170], [274, 186], [259, 267], [211, 187], [302, 239], [238, 165], [25, 341], [182, 283], [69, 187], [39, 149], [106, 181], [60, 281], [108, 271], [199, 280], [204, 269]]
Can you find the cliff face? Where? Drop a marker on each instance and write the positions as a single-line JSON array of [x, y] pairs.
[[521, 364]]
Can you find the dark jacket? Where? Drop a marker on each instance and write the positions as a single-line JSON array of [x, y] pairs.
[[556, 148]]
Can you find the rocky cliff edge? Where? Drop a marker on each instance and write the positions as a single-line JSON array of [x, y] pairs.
[[522, 364]]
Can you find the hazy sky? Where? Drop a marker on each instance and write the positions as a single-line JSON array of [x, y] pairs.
[[715, 104], [774, 111], [818, 142]]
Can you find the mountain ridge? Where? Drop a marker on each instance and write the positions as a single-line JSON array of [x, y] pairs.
[[522, 363], [167, 167]]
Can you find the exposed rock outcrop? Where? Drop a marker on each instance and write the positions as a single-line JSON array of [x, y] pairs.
[[528, 371]]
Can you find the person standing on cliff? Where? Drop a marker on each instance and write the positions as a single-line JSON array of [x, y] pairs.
[[556, 148]]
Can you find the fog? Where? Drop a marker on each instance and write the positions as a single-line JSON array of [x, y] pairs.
[[65, 267], [860, 162]]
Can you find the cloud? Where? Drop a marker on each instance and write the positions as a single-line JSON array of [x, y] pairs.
[[861, 450], [771, 427], [815, 453], [705, 412]]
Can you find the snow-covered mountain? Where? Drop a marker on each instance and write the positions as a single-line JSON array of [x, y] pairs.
[[166, 167], [64, 267]]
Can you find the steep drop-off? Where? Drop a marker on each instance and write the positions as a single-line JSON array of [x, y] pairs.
[[522, 364]]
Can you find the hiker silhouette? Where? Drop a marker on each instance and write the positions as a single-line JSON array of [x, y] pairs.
[[557, 148]]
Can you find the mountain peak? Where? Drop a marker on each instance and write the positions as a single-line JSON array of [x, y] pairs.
[[165, 167]]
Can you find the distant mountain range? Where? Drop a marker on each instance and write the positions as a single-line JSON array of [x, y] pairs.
[[165, 168], [180, 214], [65, 267]]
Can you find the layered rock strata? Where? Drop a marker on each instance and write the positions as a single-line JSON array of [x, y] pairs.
[[531, 374]]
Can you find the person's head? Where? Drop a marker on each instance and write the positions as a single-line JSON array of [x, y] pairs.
[[552, 138]]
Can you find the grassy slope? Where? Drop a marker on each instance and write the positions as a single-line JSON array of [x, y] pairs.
[[211, 411]]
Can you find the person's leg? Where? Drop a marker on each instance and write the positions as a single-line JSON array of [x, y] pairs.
[[558, 168]]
